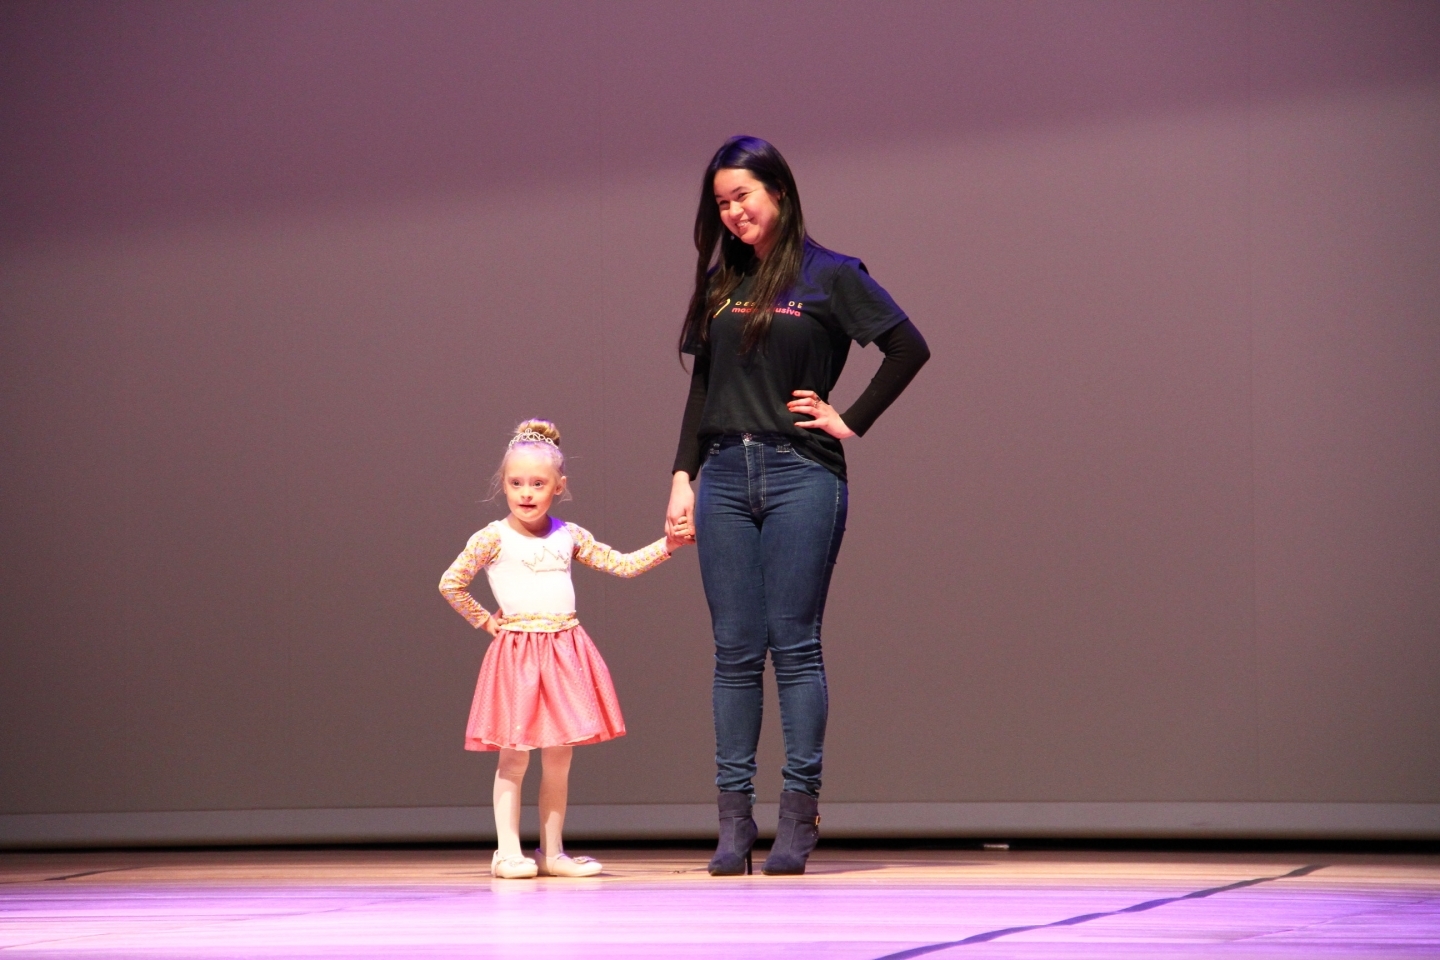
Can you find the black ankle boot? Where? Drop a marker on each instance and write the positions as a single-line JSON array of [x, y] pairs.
[[737, 836], [796, 835]]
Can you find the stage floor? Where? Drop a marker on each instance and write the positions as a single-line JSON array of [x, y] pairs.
[[854, 904]]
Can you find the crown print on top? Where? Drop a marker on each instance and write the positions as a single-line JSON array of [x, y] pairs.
[[547, 560]]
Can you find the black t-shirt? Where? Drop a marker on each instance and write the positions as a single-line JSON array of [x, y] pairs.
[[834, 301]]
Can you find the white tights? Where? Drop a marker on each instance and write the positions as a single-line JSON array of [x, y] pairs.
[[554, 788]]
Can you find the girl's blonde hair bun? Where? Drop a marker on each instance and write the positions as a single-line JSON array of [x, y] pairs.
[[535, 436], [532, 431]]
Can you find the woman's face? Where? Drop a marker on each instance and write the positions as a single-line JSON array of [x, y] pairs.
[[747, 209]]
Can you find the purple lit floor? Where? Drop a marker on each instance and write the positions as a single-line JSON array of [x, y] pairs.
[[856, 905]]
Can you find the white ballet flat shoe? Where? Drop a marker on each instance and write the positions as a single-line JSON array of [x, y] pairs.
[[565, 865], [518, 867]]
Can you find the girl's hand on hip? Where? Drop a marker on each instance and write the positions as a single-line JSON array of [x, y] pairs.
[[680, 514], [491, 625], [823, 416]]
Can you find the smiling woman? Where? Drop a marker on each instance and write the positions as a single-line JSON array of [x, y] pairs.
[[770, 324], [747, 209]]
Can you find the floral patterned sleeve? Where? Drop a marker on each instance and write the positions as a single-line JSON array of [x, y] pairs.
[[478, 554], [607, 559]]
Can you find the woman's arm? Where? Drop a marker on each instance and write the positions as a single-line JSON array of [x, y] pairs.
[[679, 514], [687, 454], [479, 553], [905, 353]]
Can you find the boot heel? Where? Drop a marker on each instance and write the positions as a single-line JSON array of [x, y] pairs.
[[737, 836], [795, 835]]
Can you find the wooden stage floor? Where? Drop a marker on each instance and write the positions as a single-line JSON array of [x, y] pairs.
[[854, 904]]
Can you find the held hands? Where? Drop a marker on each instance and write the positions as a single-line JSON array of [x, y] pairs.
[[679, 533], [680, 513], [823, 416]]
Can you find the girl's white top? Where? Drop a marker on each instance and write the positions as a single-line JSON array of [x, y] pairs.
[[530, 576]]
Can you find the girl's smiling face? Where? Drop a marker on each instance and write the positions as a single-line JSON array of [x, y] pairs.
[[531, 485], [747, 209]]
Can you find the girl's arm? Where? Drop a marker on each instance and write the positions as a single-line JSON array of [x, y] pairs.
[[607, 559], [479, 553]]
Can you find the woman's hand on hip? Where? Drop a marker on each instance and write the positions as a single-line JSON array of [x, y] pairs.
[[680, 514], [822, 415]]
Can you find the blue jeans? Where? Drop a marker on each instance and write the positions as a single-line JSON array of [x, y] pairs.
[[768, 526]]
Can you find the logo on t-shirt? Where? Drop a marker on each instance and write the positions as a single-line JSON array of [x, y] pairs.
[[547, 560], [791, 309]]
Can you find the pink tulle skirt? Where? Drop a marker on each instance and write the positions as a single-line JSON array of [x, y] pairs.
[[543, 690]]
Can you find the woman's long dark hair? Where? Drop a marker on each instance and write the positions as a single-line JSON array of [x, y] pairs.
[[724, 259]]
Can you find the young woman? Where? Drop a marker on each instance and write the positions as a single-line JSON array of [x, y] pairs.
[[770, 324]]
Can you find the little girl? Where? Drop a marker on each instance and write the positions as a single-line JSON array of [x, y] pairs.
[[543, 683]]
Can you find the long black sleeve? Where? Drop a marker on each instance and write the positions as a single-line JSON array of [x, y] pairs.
[[687, 457], [905, 353]]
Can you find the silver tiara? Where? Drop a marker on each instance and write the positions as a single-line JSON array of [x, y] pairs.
[[530, 436]]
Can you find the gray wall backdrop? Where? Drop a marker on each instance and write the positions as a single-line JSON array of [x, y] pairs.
[[1152, 545]]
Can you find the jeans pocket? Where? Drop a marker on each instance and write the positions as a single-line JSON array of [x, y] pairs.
[[788, 451]]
